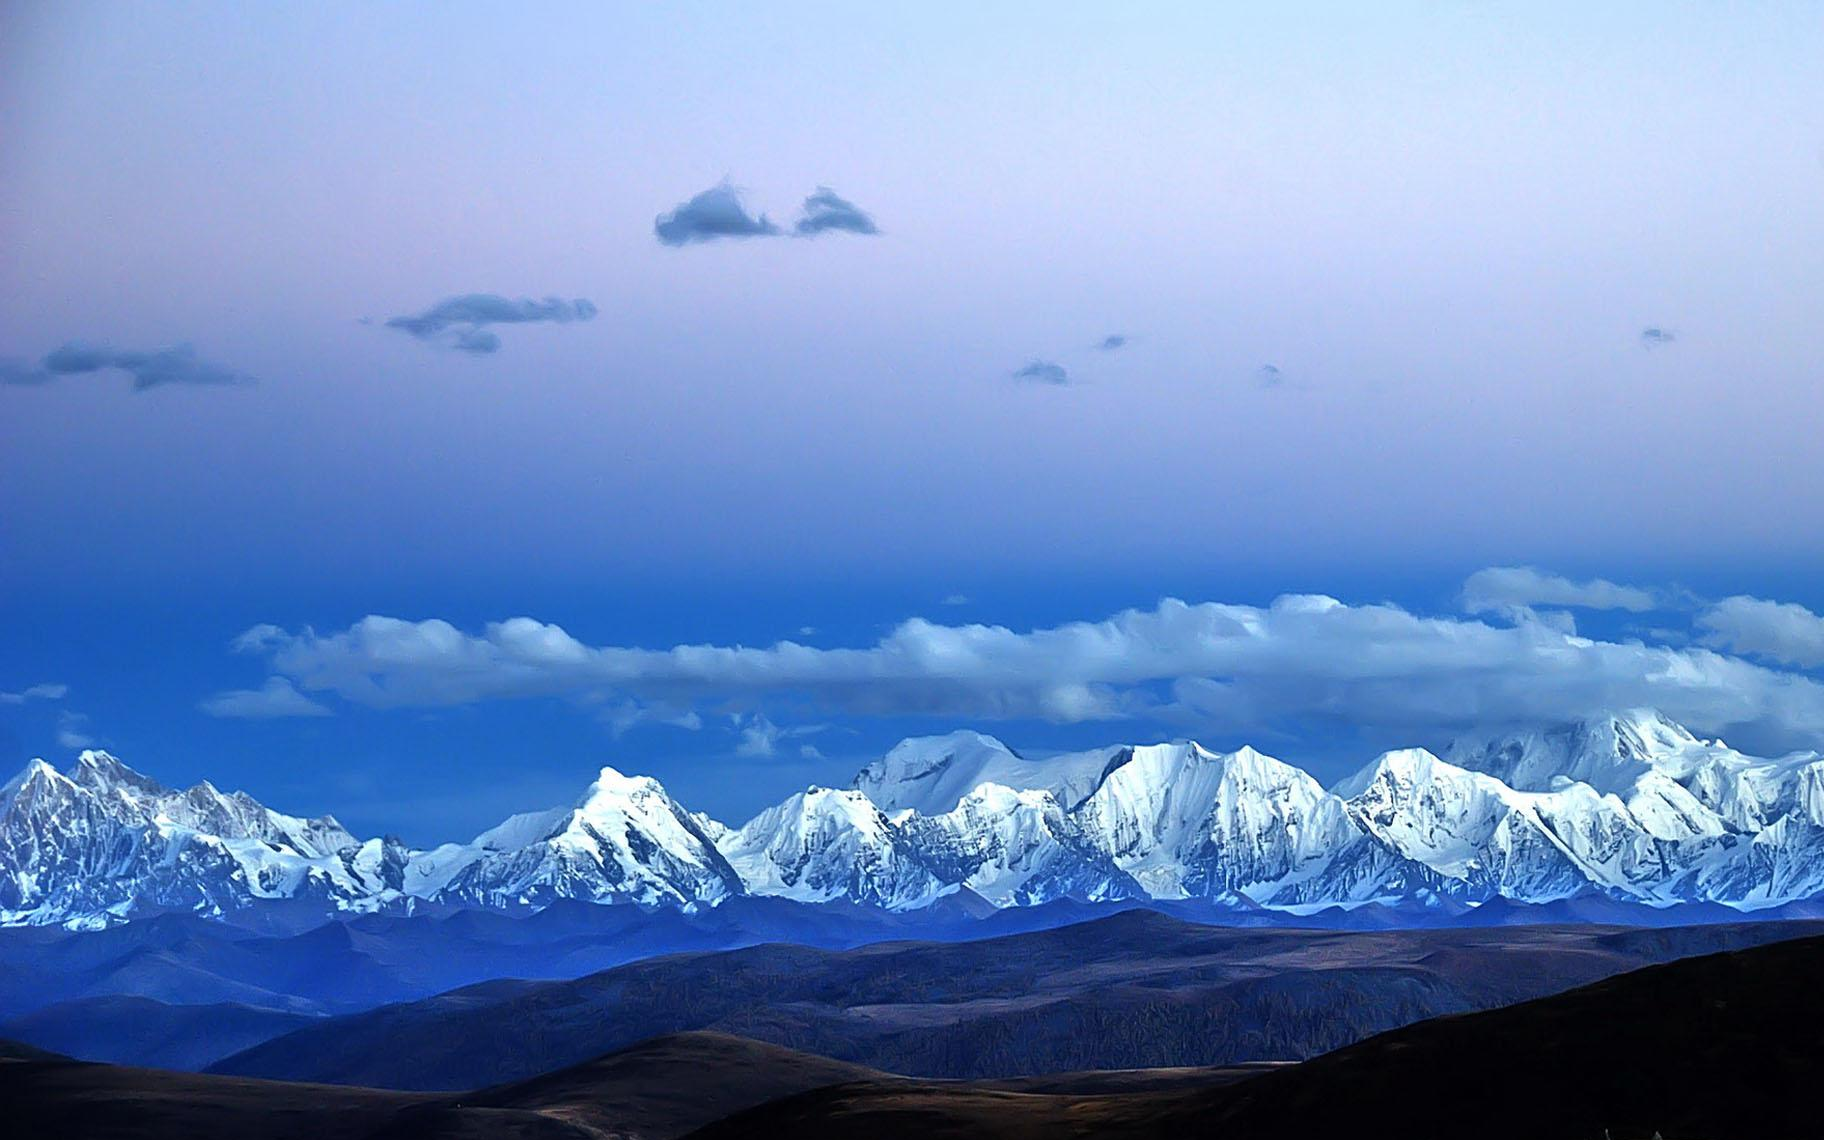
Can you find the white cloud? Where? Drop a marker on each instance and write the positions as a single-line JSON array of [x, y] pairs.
[[760, 737], [72, 731], [278, 697], [629, 714], [35, 693], [1209, 666], [1779, 631], [1512, 589], [956, 600]]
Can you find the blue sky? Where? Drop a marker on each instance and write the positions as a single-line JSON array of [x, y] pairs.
[[1384, 277]]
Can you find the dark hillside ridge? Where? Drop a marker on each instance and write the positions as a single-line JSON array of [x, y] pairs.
[[1720, 1047], [1134, 990]]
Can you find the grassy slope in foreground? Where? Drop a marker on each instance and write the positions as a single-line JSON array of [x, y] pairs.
[[656, 1090]]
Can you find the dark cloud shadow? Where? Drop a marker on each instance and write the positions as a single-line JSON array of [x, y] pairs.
[[154, 368], [461, 322], [826, 212], [711, 215], [1043, 372]]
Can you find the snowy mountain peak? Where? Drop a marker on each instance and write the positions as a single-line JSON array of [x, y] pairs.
[[931, 774], [1401, 767], [999, 799], [101, 839], [851, 807], [1678, 785], [1248, 759], [1609, 752], [624, 840], [1185, 821], [922, 771], [1018, 847], [824, 844], [35, 774], [915, 750], [1651, 724], [817, 807], [102, 772], [1644, 736], [1160, 766], [822, 811], [1482, 837], [611, 791]]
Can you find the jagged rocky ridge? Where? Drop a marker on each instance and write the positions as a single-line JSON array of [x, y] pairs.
[[1628, 806]]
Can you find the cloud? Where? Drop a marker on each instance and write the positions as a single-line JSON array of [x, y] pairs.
[[1269, 376], [22, 372], [718, 212], [477, 342], [760, 737], [461, 322], [1511, 589], [715, 213], [1778, 631], [35, 693], [1043, 372], [1112, 341], [955, 600], [1656, 337], [178, 364], [1210, 666], [72, 731], [826, 212], [630, 714], [277, 698]]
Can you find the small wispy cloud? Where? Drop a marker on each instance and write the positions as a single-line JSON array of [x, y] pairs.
[[1112, 341], [461, 323], [73, 731], [178, 364], [277, 699], [45, 692], [1654, 337], [955, 600], [631, 714], [1043, 372], [709, 216], [825, 211], [1518, 589], [761, 738]]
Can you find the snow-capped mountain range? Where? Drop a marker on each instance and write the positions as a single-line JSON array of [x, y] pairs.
[[1628, 806]]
